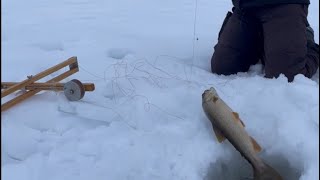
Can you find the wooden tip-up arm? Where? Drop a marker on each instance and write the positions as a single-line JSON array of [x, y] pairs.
[[34, 87], [46, 86], [73, 65]]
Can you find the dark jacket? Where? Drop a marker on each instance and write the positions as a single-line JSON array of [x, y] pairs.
[[259, 3]]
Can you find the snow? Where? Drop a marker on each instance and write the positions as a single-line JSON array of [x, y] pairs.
[[144, 120]]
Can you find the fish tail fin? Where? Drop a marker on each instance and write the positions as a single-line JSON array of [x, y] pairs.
[[266, 172]]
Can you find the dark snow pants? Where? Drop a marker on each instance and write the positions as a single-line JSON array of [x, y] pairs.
[[276, 35]]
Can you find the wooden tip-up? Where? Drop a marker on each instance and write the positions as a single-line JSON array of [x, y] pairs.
[[33, 87]]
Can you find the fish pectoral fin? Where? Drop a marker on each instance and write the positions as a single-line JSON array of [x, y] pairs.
[[257, 148], [237, 118], [219, 134]]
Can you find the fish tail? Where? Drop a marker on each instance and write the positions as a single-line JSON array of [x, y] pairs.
[[266, 172]]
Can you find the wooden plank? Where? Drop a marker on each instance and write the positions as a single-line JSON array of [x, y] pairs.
[[46, 86], [30, 93], [72, 62]]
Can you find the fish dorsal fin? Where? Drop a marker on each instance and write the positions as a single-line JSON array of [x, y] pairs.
[[237, 118], [257, 148], [219, 134]]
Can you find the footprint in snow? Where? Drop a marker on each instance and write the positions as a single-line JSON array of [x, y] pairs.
[[50, 46], [118, 53]]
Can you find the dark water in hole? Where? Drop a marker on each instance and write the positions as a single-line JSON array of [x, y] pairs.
[[237, 168]]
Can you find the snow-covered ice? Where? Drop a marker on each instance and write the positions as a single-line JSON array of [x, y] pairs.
[[144, 120]]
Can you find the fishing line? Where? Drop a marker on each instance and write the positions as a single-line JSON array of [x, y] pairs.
[[193, 49], [194, 29], [194, 35]]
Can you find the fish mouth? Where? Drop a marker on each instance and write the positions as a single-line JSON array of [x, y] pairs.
[[206, 95]]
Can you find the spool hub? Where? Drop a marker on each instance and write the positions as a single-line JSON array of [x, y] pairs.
[[74, 90]]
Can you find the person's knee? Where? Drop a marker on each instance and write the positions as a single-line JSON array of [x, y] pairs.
[[308, 70], [222, 63], [290, 63], [274, 70], [216, 66], [215, 69], [228, 61], [275, 74]]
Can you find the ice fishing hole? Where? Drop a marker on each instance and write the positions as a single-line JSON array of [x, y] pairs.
[[237, 168]]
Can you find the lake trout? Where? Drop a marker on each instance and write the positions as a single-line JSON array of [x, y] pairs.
[[227, 125]]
